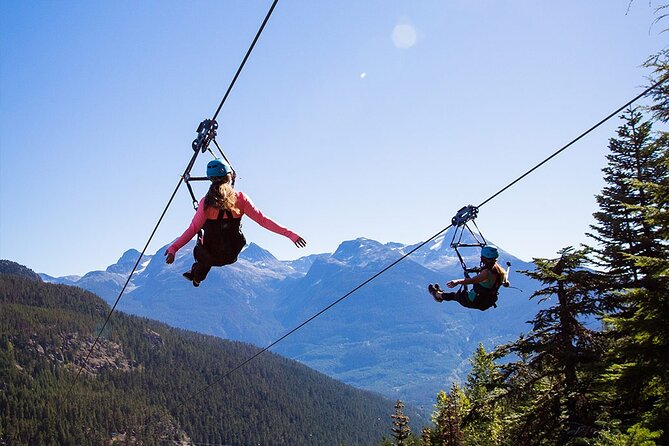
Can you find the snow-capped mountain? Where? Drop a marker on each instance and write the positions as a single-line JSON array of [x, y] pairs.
[[388, 335]]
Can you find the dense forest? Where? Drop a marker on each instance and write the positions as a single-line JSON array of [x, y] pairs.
[[594, 368], [150, 384]]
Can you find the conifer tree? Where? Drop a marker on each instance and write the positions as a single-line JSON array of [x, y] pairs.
[[426, 437], [401, 429], [621, 230], [482, 422], [448, 414], [551, 386], [636, 199]]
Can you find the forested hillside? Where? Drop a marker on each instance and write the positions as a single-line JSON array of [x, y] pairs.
[[147, 383]]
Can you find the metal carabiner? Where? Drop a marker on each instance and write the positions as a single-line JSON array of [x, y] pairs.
[[464, 215], [206, 132]]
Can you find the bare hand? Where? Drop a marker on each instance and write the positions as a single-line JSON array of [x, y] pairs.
[[451, 284], [300, 243], [169, 258]]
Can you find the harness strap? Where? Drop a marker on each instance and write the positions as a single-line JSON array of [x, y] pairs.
[[190, 191], [461, 224], [226, 212]]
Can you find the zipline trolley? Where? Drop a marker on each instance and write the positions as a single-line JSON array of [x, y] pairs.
[[465, 237], [206, 134]]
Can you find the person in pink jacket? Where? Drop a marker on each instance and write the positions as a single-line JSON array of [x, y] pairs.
[[219, 216]]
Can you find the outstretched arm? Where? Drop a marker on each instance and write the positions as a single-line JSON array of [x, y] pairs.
[[195, 225], [480, 277], [247, 207]]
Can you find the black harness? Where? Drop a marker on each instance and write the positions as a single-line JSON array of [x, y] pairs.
[[487, 297], [223, 239]]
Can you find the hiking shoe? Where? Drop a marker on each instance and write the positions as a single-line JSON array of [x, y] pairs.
[[435, 291], [189, 276]]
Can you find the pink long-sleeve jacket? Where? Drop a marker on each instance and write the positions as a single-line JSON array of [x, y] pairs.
[[245, 206]]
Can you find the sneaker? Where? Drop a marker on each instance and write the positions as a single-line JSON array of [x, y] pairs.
[[196, 283], [435, 291], [189, 276]]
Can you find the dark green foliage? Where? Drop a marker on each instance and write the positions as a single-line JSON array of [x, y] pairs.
[[633, 236], [482, 423], [147, 382], [634, 436], [621, 230], [550, 389]]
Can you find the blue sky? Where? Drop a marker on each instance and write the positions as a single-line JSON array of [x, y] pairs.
[[375, 119]]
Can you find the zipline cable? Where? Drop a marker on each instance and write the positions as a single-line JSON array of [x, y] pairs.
[[582, 135], [248, 53], [134, 268], [251, 358], [207, 128], [176, 189], [298, 327]]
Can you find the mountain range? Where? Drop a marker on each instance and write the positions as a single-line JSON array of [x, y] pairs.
[[388, 336], [143, 382]]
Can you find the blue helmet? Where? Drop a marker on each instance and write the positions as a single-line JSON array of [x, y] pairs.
[[489, 252], [218, 168]]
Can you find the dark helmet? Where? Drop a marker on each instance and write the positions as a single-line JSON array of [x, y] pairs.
[[489, 252], [218, 168]]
